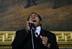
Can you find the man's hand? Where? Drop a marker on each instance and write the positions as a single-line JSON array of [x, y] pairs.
[[28, 27], [44, 40]]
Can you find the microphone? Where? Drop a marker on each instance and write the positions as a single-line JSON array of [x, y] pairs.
[[31, 25]]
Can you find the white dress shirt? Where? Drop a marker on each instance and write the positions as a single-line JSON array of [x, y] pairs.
[[37, 31]]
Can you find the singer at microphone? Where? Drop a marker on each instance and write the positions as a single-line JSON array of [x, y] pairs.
[[43, 39]]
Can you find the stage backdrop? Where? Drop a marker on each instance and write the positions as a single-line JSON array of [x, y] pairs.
[[13, 15]]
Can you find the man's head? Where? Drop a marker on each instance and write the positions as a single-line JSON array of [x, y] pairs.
[[36, 18]]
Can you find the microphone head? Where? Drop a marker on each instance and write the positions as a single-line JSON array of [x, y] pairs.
[[31, 25]]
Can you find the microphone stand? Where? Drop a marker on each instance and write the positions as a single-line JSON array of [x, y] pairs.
[[32, 38]]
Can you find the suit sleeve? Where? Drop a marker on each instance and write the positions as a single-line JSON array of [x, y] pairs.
[[17, 43], [19, 40], [53, 43]]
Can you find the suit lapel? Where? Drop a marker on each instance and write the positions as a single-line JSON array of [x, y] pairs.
[[41, 32], [44, 33]]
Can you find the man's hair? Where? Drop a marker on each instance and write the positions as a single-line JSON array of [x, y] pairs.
[[36, 14]]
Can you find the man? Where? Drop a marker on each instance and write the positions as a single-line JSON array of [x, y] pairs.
[[42, 39], [29, 3]]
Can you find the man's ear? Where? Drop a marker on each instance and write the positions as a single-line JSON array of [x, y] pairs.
[[40, 22]]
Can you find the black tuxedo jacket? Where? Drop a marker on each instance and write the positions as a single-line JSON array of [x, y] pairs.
[[23, 40]]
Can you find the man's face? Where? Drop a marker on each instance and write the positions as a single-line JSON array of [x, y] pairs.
[[34, 17]]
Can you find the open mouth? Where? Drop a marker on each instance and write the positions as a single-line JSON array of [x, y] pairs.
[[34, 20]]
